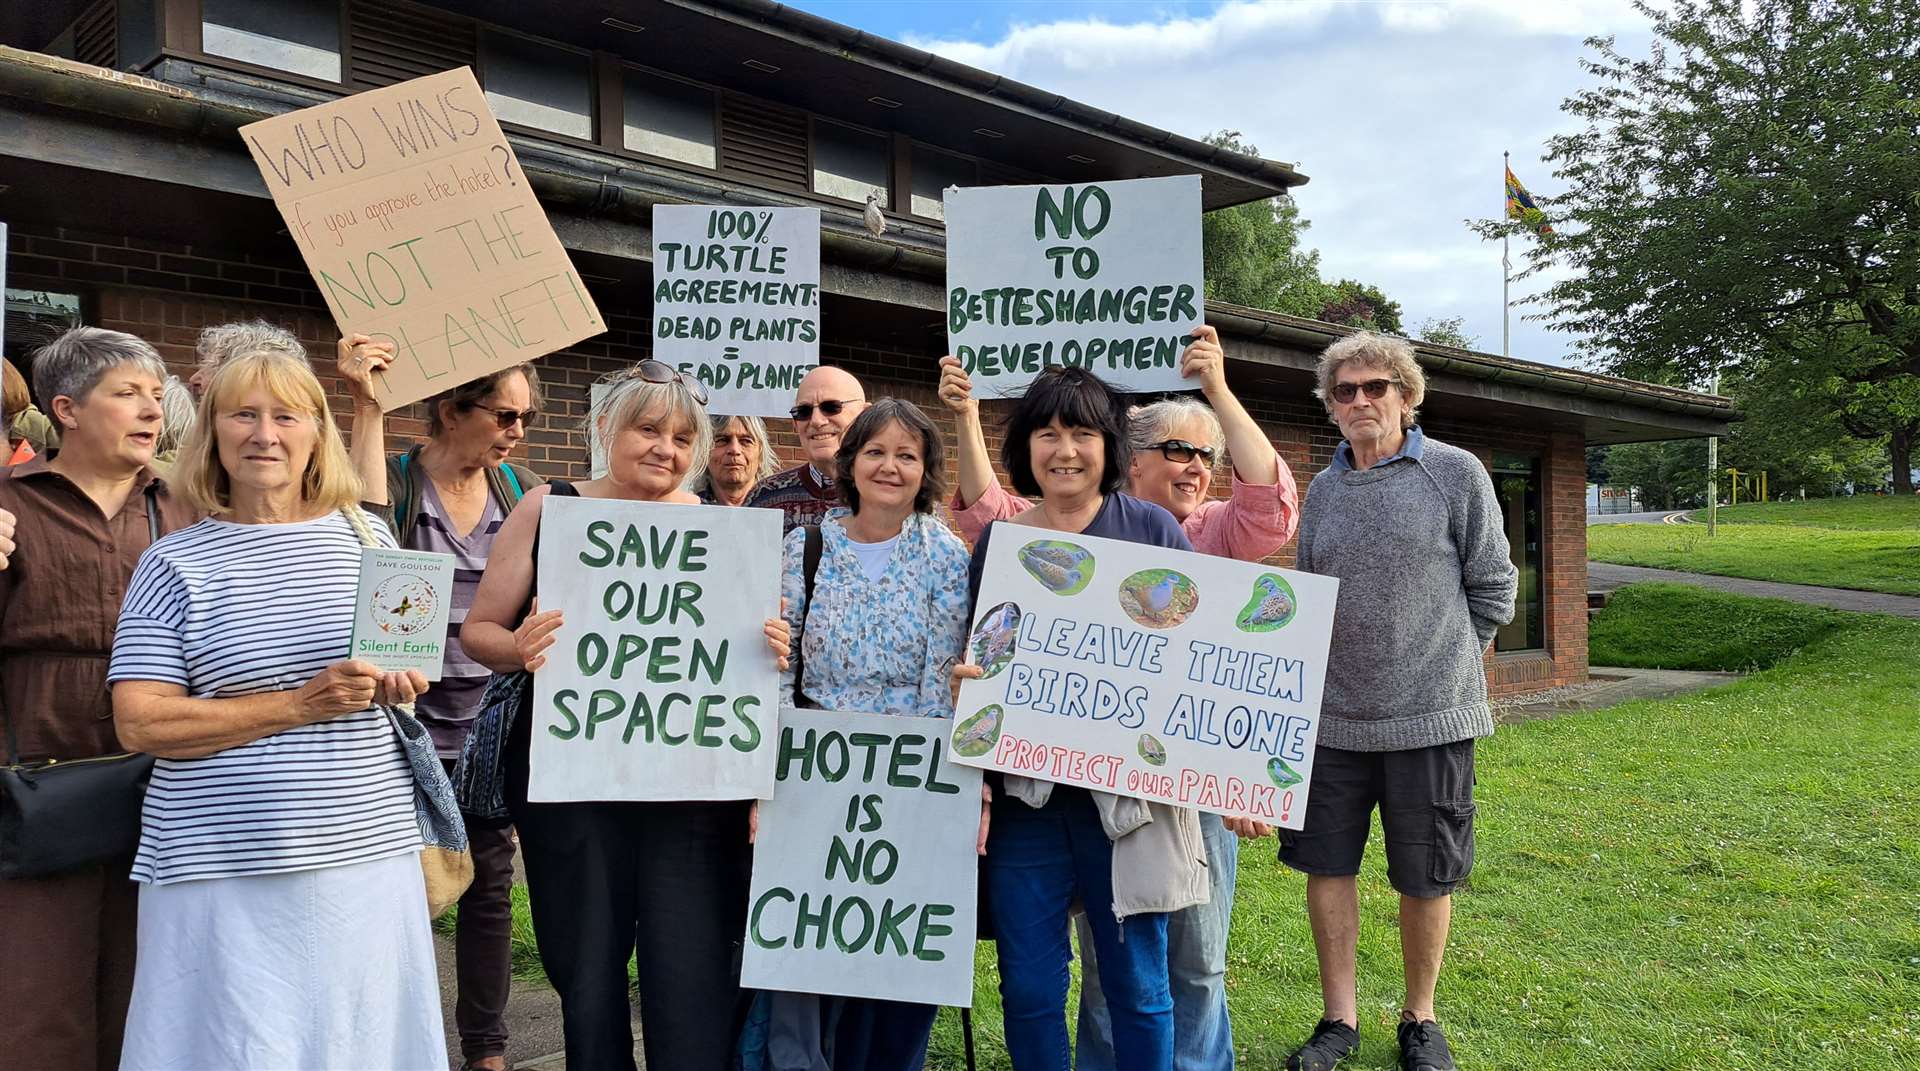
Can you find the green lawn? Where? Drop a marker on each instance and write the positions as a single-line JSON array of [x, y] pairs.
[[1674, 626], [1721, 881], [1867, 543]]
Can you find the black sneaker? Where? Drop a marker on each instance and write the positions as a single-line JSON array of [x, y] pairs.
[[1332, 1042], [1424, 1048]]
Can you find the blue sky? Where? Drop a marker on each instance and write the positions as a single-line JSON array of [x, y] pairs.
[[1397, 109]]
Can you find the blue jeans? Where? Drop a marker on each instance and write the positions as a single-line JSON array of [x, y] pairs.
[[1038, 862], [1196, 969]]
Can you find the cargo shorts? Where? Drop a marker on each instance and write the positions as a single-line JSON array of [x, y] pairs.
[[1425, 796]]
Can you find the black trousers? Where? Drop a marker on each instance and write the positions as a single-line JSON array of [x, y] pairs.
[[666, 880]]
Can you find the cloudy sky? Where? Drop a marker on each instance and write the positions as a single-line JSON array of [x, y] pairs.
[[1397, 110]]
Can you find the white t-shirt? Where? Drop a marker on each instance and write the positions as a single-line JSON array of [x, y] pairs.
[[229, 610], [873, 556]]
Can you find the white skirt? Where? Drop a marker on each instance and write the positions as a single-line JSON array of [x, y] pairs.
[[319, 969]]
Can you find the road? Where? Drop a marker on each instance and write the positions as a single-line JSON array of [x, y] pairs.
[[1672, 516]]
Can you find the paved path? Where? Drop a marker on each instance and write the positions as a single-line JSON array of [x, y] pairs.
[[1604, 577], [1675, 516]]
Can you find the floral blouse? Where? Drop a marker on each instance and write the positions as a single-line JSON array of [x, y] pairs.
[[887, 645]]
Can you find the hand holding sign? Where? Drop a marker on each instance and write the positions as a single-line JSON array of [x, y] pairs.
[[360, 360], [1106, 276]]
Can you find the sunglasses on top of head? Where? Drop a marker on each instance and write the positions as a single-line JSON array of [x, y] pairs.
[[1376, 389], [1180, 451], [507, 418], [804, 411], [653, 371]]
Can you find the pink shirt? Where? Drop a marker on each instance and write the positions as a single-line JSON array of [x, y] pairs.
[[1256, 521]]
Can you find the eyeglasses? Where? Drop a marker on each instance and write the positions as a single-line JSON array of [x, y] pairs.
[[1375, 388], [804, 411], [1180, 451], [507, 418], [654, 371]]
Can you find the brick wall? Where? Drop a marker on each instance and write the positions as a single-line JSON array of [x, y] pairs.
[[166, 292]]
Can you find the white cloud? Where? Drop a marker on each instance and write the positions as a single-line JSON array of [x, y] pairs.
[[1398, 110]]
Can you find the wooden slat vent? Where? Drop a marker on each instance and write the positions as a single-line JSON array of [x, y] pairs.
[[392, 42]]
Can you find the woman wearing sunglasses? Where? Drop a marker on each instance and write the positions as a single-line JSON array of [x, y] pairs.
[[1176, 443], [664, 883], [450, 495]]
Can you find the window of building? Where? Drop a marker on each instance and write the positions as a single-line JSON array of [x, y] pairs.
[[1516, 481], [539, 85], [33, 318], [297, 36], [670, 119], [933, 172], [850, 163]]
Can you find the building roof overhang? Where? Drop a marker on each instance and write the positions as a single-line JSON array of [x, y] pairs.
[[58, 113]]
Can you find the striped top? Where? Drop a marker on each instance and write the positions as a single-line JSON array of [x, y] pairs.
[[228, 610], [449, 707]]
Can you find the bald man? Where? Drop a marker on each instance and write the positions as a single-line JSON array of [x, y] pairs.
[[823, 408]]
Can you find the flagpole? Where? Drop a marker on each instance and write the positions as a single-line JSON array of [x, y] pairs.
[[1506, 265]]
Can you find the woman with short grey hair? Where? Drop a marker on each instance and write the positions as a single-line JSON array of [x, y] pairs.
[[1412, 529], [82, 520], [741, 458], [664, 882]]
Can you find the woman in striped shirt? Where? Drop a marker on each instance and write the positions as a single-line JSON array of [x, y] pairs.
[[284, 921], [450, 495]]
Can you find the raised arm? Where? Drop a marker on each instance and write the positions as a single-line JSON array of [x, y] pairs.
[[359, 358], [1254, 458]]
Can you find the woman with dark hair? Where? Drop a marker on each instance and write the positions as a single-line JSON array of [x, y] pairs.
[[886, 623], [450, 495], [1127, 861]]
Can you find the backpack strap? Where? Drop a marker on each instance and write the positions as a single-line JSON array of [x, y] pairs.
[[513, 481], [809, 565]]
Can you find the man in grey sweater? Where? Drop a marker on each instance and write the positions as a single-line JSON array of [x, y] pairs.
[[1413, 531]]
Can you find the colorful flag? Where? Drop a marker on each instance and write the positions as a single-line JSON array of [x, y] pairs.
[[1520, 206]]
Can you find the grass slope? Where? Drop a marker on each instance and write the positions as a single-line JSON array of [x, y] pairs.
[[1673, 626], [1865, 543], [1717, 882]]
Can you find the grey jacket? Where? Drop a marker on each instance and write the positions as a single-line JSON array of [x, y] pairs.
[[1426, 579], [1159, 860]]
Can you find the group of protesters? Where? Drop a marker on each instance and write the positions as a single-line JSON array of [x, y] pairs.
[[197, 608]]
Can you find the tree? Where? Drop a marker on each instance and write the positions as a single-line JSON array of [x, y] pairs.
[[1252, 253], [1446, 331], [1357, 304], [1743, 198], [1669, 475]]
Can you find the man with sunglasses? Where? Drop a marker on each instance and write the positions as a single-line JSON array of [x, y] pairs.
[[1412, 529], [823, 409], [1176, 442]]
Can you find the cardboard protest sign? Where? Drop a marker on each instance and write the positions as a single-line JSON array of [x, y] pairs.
[[420, 230], [864, 870], [1161, 674], [1104, 275], [736, 301], [401, 609], [659, 685]]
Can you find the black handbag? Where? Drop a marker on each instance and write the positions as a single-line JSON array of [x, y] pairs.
[[58, 815]]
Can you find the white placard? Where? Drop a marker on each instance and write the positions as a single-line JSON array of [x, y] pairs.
[[401, 609], [864, 870], [736, 301], [1104, 275], [659, 685], [1162, 674]]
